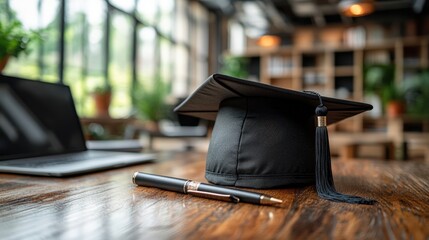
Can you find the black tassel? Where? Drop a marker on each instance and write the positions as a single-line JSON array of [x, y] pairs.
[[324, 180]]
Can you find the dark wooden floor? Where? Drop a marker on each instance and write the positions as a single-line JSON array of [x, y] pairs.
[[106, 205]]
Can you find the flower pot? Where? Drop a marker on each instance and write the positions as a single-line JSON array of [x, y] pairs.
[[102, 103], [3, 62], [151, 126], [395, 108]]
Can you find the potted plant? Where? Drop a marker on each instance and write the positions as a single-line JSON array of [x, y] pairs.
[[14, 40], [151, 103], [102, 97], [417, 94], [235, 66], [379, 83], [393, 97]]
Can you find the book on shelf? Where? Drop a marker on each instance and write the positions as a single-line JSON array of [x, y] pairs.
[[377, 57], [375, 35], [280, 66], [355, 37]]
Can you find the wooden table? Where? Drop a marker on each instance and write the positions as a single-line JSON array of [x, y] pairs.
[[348, 144], [106, 205]]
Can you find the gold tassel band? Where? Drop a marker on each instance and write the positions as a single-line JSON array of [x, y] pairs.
[[321, 121]]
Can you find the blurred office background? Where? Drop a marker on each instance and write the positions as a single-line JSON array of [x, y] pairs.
[[373, 51]]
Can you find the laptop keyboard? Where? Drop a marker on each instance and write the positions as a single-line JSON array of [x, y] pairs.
[[55, 160]]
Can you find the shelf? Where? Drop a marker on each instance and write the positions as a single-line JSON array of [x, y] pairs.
[[284, 83], [343, 58], [344, 82], [254, 66], [281, 76], [314, 86], [314, 77], [344, 71], [337, 70], [386, 45], [413, 41], [312, 69], [412, 67], [280, 65], [409, 123]]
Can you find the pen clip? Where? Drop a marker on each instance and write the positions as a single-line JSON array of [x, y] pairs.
[[215, 196]]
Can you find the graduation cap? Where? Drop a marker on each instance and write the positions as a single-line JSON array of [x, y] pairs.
[[267, 137]]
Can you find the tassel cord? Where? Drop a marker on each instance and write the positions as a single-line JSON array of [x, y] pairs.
[[324, 179]]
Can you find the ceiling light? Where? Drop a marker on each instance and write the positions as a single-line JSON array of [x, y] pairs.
[[269, 41], [356, 8]]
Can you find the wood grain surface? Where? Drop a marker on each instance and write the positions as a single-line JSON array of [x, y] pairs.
[[106, 205]]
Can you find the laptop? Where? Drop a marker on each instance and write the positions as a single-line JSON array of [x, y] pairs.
[[40, 133]]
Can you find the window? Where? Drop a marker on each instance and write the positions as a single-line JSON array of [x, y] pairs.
[[165, 19], [165, 62], [84, 37], [147, 11], [42, 62], [146, 55], [120, 64], [199, 44], [87, 44], [191, 52]]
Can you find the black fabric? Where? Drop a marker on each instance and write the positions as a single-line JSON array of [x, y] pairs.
[[204, 102], [255, 144]]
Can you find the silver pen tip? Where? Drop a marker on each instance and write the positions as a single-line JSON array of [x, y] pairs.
[[267, 200], [134, 177]]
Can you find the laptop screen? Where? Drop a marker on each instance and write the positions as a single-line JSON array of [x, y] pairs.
[[37, 118]]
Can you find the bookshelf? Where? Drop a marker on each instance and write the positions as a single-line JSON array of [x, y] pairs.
[[335, 68]]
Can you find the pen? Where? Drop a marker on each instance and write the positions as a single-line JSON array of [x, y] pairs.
[[202, 189]]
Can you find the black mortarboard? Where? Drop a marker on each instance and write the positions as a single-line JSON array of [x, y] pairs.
[[266, 137]]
